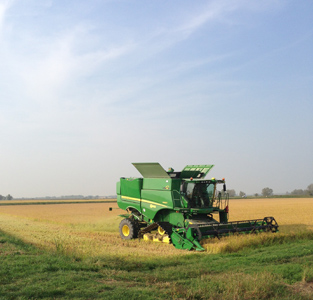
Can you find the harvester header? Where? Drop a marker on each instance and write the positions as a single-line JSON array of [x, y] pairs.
[[180, 206]]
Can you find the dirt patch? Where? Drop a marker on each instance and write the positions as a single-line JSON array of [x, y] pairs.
[[304, 288]]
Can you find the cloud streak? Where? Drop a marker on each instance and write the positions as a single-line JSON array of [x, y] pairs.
[[3, 8]]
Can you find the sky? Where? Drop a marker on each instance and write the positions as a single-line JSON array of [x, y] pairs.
[[89, 87]]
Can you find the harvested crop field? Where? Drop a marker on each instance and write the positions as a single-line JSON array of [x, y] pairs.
[[85, 229], [78, 213]]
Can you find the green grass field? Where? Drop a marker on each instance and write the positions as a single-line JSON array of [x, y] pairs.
[[277, 271]]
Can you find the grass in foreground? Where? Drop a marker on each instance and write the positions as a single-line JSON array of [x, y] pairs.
[[280, 271]]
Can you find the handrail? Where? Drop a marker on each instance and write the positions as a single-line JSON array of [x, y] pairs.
[[179, 198], [221, 202]]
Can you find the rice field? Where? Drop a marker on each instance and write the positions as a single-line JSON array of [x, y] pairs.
[[90, 230], [293, 215], [82, 230], [286, 211]]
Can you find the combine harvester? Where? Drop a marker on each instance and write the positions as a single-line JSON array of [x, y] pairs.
[[178, 207]]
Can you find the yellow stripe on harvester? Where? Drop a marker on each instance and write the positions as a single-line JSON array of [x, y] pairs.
[[150, 202], [143, 200], [130, 198]]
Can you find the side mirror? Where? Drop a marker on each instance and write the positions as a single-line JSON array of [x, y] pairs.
[[224, 187]]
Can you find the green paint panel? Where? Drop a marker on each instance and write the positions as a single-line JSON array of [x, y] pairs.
[[155, 200], [180, 242], [124, 202], [173, 217], [157, 184], [151, 170], [131, 187], [158, 196]]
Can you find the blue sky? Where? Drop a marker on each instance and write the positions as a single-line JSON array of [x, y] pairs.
[[88, 87]]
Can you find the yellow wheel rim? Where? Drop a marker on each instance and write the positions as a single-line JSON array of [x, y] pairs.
[[161, 231], [125, 230]]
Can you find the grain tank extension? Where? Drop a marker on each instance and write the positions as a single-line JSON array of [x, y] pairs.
[[179, 207]]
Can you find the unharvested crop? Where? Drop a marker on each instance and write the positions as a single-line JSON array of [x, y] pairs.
[[293, 216], [287, 211]]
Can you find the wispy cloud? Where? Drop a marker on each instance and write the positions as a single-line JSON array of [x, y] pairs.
[[213, 13], [4, 6], [48, 66]]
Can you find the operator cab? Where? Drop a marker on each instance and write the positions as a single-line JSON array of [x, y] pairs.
[[200, 193]]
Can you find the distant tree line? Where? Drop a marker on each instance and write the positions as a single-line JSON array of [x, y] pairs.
[[308, 191], [8, 197], [267, 192]]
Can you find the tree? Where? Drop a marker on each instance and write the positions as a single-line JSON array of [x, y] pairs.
[[231, 193], [309, 189], [267, 192], [9, 197], [242, 194], [297, 192]]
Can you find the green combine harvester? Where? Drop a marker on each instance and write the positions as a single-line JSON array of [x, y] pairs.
[[178, 207]]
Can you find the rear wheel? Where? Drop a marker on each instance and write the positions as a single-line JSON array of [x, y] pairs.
[[128, 229]]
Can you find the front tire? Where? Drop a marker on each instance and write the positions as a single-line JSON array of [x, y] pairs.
[[128, 229]]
